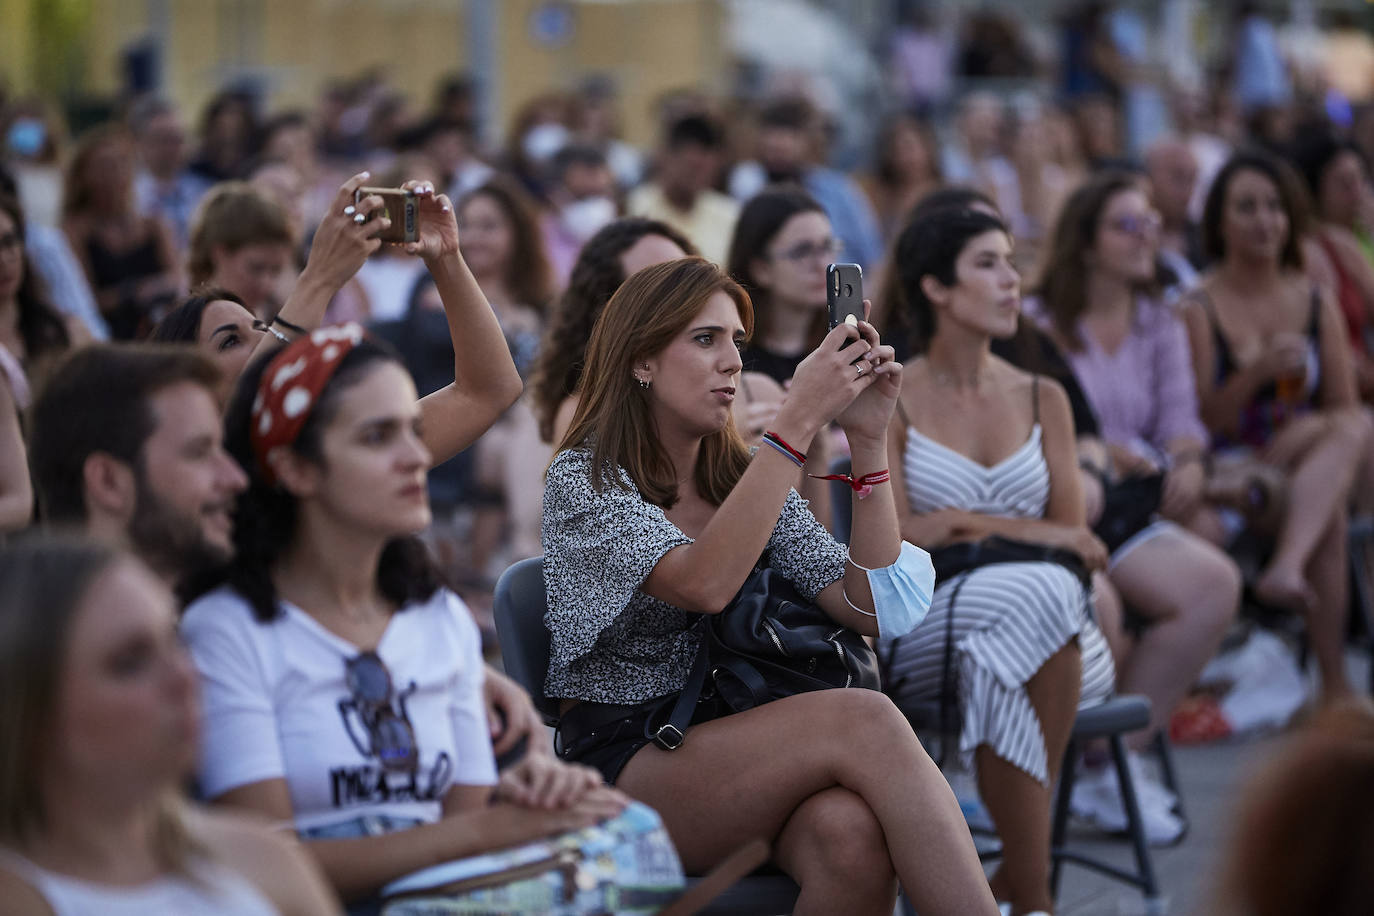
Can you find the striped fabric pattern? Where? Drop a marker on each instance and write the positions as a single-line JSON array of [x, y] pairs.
[[1009, 618]]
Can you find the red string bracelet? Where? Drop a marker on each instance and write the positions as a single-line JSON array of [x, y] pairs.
[[862, 486]]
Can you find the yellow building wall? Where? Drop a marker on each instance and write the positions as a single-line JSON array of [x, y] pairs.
[[298, 46], [16, 64]]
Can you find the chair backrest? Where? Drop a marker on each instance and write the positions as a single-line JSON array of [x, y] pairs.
[[841, 507], [519, 611]]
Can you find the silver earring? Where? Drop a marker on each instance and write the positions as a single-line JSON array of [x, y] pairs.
[[643, 382]]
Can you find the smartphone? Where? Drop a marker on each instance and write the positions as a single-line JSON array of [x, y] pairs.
[[844, 293], [399, 206]]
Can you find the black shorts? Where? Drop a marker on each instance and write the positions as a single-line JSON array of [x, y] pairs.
[[605, 737]]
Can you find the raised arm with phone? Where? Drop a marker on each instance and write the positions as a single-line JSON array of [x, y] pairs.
[[485, 380]]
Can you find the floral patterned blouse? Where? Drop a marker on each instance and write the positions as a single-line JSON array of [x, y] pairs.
[[611, 643]]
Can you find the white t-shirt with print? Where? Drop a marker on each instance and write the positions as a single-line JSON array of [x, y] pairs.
[[276, 706]]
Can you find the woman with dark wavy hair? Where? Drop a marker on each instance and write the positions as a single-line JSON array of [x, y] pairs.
[[610, 256], [34, 332]]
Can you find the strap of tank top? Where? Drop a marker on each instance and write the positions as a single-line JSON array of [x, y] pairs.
[[901, 412], [1225, 362], [1035, 398], [1314, 317], [1204, 299]]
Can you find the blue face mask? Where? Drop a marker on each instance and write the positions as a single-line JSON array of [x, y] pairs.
[[901, 592], [26, 137]]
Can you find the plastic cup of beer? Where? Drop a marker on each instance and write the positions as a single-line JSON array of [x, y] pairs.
[[1291, 386]]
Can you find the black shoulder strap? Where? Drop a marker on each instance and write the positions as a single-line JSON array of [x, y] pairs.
[[950, 704], [669, 735], [1314, 317], [1204, 299], [1035, 397]]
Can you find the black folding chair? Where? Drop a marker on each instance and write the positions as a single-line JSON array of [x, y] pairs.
[[519, 610]]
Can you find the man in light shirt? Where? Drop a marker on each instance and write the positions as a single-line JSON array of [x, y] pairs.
[[683, 194], [164, 186]]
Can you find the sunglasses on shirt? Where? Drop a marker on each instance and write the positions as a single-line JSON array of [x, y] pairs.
[[390, 736]]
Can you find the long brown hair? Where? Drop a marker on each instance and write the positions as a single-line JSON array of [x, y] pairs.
[[1291, 197], [1304, 836], [529, 276], [44, 580], [613, 414], [77, 189], [1063, 282]]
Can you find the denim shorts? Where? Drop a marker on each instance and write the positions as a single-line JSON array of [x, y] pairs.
[[363, 825]]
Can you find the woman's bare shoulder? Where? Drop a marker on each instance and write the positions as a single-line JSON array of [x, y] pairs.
[[21, 898], [1012, 379]]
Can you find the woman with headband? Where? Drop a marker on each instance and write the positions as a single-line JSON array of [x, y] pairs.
[[342, 682], [485, 379]]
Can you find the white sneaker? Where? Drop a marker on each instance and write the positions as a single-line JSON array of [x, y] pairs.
[[1097, 797]]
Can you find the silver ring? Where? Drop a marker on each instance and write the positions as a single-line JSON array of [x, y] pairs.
[[359, 218], [858, 369], [350, 210]]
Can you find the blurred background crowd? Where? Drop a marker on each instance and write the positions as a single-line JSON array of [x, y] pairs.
[[143, 169], [1138, 152]]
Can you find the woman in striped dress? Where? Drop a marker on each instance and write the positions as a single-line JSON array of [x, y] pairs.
[[980, 448]]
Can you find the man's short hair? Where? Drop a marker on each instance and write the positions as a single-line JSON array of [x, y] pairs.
[[695, 130], [415, 136], [98, 400], [791, 112], [147, 108], [583, 154]]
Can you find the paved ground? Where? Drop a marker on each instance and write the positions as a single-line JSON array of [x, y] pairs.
[[1212, 777]]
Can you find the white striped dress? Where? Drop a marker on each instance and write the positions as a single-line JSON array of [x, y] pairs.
[[1009, 618]]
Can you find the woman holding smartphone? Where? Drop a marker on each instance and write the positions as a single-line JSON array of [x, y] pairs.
[[484, 384], [655, 513]]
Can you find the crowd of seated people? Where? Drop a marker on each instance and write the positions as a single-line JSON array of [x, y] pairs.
[[1171, 410]]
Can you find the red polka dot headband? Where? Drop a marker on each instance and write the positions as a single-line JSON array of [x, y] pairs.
[[291, 386]]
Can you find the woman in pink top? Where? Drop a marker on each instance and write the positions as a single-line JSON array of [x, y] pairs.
[[1129, 353]]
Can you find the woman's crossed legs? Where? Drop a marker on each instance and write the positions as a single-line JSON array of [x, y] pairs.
[[838, 782]]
